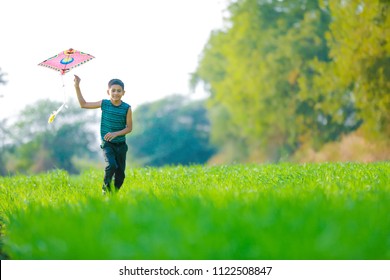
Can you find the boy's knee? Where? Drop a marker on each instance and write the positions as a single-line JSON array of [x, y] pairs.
[[111, 166]]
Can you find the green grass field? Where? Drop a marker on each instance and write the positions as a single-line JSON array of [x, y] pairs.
[[285, 211]]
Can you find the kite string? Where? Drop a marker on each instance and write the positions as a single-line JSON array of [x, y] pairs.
[[54, 114], [64, 90], [63, 84]]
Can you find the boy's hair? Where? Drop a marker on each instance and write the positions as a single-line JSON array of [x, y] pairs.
[[116, 82]]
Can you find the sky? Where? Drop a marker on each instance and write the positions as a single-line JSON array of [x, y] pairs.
[[152, 45]]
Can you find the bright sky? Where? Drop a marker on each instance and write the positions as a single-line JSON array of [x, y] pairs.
[[152, 45]]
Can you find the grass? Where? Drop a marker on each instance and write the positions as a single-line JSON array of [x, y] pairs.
[[286, 211]]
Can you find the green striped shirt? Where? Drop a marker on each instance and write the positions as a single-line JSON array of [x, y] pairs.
[[113, 119]]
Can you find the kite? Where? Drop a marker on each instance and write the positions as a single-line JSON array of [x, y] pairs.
[[63, 63]]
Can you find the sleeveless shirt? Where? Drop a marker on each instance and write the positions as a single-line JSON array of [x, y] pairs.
[[113, 119]]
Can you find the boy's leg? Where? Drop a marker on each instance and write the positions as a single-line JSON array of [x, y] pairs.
[[121, 165], [111, 165]]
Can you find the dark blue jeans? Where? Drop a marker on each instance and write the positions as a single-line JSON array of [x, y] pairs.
[[115, 158]]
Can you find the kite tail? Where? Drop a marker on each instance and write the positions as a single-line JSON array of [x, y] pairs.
[[54, 114]]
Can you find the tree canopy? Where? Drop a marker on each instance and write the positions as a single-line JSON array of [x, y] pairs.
[[283, 74], [172, 130], [36, 146]]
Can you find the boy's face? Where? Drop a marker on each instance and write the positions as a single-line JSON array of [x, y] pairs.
[[115, 92]]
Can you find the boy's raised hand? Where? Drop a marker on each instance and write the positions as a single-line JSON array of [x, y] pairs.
[[76, 80]]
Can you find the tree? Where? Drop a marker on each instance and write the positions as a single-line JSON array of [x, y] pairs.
[[170, 131], [39, 146], [251, 70], [360, 67]]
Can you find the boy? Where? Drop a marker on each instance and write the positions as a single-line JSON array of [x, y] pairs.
[[116, 122]]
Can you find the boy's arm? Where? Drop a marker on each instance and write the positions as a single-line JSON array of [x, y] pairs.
[[129, 127], [83, 103]]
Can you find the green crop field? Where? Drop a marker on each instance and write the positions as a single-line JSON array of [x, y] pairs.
[[238, 212]]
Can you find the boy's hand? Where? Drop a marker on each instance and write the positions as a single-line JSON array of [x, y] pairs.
[[109, 136], [76, 80]]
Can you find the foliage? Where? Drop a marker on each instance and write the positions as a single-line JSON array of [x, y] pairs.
[[360, 67], [173, 130], [39, 146], [285, 211], [261, 57], [283, 74]]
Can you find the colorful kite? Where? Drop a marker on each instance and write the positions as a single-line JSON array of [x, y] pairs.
[[64, 62]]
